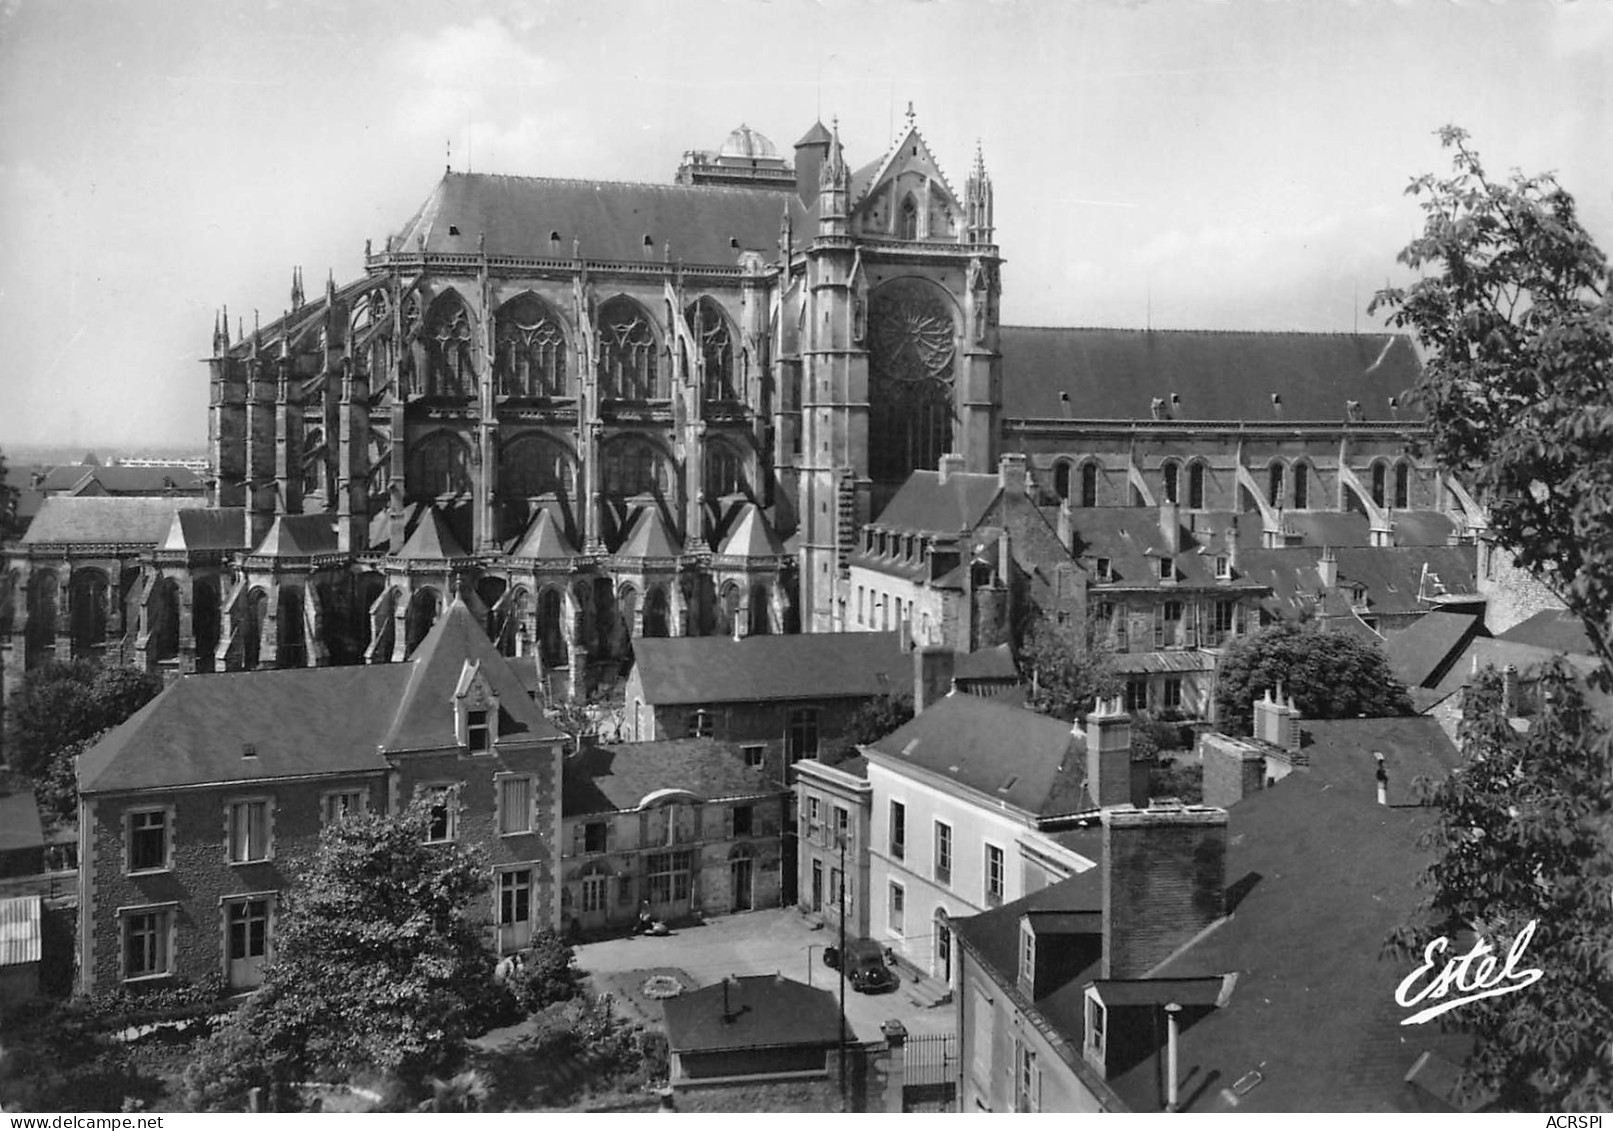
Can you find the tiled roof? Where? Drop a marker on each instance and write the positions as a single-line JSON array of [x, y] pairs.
[[764, 1011], [307, 720], [120, 520], [1484, 652], [1343, 753], [1115, 374], [1004, 752], [605, 220], [925, 505], [1313, 1010], [987, 663], [208, 528], [650, 537], [605, 779], [1557, 629], [1402, 579], [119, 480], [1133, 541], [1422, 652], [719, 669]]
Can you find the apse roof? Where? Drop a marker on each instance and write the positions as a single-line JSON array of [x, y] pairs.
[[432, 539]]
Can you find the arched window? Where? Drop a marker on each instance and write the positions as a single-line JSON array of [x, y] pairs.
[[1061, 479], [760, 622], [709, 326], [164, 620], [314, 462], [911, 355], [1089, 485], [907, 220], [1302, 486], [1274, 485], [1402, 485], [530, 349], [87, 602], [1380, 476], [291, 649], [656, 612], [725, 472], [1172, 472], [424, 607], [439, 465], [257, 611], [551, 631], [448, 337], [1195, 486], [634, 467], [532, 466], [627, 353]]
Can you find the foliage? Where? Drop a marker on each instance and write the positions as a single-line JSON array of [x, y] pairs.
[[57, 788], [1181, 780], [62, 703], [599, 717], [1513, 314], [58, 1056], [1069, 668], [548, 973], [577, 1044], [8, 503], [872, 722], [1329, 675], [381, 966], [1525, 834]]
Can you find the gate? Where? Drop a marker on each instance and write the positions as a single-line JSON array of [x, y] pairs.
[[930, 1073]]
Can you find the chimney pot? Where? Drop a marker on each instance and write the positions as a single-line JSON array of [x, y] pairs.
[[952, 463]]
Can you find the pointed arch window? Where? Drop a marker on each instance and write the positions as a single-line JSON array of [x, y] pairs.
[[627, 353], [709, 326], [912, 349], [725, 472], [530, 350], [907, 219], [1195, 486], [450, 371], [440, 465], [1089, 485], [1274, 484], [533, 466], [1402, 486], [633, 467], [1380, 477], [1172, 482], [1302, 487], [1061, 479]]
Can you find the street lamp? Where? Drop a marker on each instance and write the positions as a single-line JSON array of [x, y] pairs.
[[840, 903]]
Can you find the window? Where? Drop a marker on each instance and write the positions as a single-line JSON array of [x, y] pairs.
[[700, 723], [1137, 693], [595, 836], [898, 910], [514, 805], [1195, 486], [1380, 477], [754, 755], [743, 820], [1173, 693], [1167, 568], [994, 875], [862, 596], [842, 824], [1061, 479], [593, 892], [1226, 614], [343, 803], [1027, 954], [1402, 486], [514, 897], [898, 830], [249, 831], [1089, 485], [1274, 485], [1171, 474], [478, 735], [1097, 1021], [148, 840], [145, 943], [1223, 567], [814, 813], [1102, 569], [1028, 1079], [247, 927], [444, 824], [943, 852], [802, 739], [669, 877]]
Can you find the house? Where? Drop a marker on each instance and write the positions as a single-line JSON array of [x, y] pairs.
[[683, 826], [755, 1028], [963, 559], [198, 814], [834, 805], [1423, 654], [1152, 984], [972, 803]]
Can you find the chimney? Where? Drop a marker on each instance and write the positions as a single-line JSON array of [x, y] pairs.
[[1328, 569], [952, 463], [1383, 779], [1108, 737], [1173, 1013], [1233, 769], [933, 665], [1276, 720], [1066, 527], [1011, 473], [1164, 878], [1170, 526], [1232, 543]]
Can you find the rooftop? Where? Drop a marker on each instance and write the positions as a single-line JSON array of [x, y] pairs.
[[607, 779], [720, 669], [757, 1011]]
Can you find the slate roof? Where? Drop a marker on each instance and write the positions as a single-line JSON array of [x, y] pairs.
[[1484, 652], [208, 528], [300, 536], [1114, 374], [607, 220], [1422, 652], [1314, 1006], [1391, 577], [544, 539], [767, 1010], [1008, 754], [1556, 629], [432, 539], [650, 537], [1342, 753], [605, 779], [20, 826], [119, 480], [986, 663], [307, 720], [719, 669], [119, 520], [925, 505], [1134, 541], [751, 536]]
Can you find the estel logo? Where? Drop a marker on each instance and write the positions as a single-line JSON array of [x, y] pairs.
[[1474, 974]]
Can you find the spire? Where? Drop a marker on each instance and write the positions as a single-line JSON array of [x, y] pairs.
[[330, 283], [977, 200], [296, 288], [833, 174]]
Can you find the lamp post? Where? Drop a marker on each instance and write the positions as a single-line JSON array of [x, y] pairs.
[[840, 902]]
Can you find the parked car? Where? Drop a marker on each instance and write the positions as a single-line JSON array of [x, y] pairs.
[[866, 968]]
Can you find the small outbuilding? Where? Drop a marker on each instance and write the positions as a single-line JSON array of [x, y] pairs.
[[762, 1027]]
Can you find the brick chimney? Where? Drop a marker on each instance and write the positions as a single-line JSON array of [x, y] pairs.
[[1233, 769], [1164, 881], [1276, 720], [952, 463], [933, 666], [1108, 736], [1011, 473]]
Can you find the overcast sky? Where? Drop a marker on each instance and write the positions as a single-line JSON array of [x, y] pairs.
[[1181, 162]]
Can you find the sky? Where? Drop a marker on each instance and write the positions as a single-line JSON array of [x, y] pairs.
[[1180, 164]]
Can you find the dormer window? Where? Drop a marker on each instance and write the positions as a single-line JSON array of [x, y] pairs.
[[475, 710], [1027, 957], [1223, 567], [1096, 1029], [478, 734], [1104, 571], [1167, 569]]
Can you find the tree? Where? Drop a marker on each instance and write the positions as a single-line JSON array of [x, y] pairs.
[[872, 722], [1068, 666], [1517, 387], [1329, 675], [63, 703], [1512, 311], [381, 966], [8, 504], [1525, 835]]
